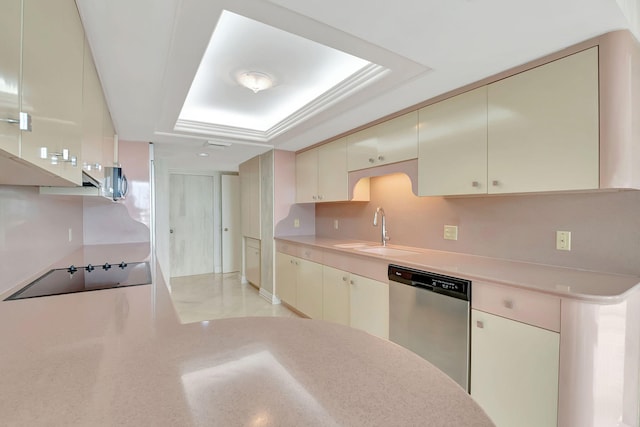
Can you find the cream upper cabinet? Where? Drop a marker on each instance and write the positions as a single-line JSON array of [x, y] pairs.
[[514, 371], [322, 176], [335, 295], [250, 198], [543, 127], [92, 117], [108, 137], [10, 29], [52, 63], [392, 141], [307, 176], [369, 305], [452, 145]]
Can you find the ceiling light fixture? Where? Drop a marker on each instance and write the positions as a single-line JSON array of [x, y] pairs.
[[254, 80], [203, 154]]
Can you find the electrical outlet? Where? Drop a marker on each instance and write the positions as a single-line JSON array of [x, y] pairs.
[[296, 223], [451, 232], [70, 234], [563, 240], [335, 224]]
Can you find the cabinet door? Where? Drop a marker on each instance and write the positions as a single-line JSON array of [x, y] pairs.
[[250, 197], [252, 261], [333, 178], [309, 286], [10, 30], [286, 272], [543, 127], [52, 59], [92, 116], [335, 295], [369, 306], [389, 142], [307, 176], [108, 136], [514, 371], [452, 148]]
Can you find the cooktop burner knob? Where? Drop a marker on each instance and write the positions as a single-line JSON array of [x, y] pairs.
[[106, 266], [90, 268], [72, 269], [123, 265]]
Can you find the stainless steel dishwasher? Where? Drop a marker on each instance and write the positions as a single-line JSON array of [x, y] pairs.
[[429, 315]]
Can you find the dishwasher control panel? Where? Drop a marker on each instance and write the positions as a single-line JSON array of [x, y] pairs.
[[451, 286]]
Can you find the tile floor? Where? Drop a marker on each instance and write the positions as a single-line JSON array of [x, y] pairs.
[[216, 296]]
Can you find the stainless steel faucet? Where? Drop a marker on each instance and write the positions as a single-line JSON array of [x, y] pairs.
[[383, 228]]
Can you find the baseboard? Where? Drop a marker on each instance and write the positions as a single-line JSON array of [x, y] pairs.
[[269, 296]]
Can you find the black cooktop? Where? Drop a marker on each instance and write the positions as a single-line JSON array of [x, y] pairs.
[[87, 278]]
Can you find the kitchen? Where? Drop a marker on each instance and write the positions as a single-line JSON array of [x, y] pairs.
[[513, 227]]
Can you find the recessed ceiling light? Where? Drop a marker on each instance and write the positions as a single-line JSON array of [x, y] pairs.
[[203, 154], [254, 80]]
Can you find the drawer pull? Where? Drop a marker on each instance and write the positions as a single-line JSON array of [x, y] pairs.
[[344, 278], [480, 324], [508, 303]]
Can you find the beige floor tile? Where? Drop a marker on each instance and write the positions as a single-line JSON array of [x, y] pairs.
[[217, 296]]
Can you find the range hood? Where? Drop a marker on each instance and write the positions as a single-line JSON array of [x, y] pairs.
[[114, 186]]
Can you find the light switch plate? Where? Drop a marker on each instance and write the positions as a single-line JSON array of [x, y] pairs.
[[335, 224], [296, 223], [563, 240], [451, 232]]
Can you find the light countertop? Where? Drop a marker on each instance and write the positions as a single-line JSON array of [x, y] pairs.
[[577, 284], [121, 357]]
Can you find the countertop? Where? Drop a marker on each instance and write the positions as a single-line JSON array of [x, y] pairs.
[[592, 286], [121, 357]]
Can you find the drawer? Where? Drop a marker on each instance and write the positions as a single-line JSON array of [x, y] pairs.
[[312, 254], [287, 248], [524, 306], [252, 243]]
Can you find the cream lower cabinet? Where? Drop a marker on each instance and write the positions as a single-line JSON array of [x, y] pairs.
[[286, 278], [299, 284], [252, 261], [514, 371], [335, 295], [356, 301]]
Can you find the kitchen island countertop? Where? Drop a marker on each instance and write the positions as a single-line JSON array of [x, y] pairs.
[[121, 357]]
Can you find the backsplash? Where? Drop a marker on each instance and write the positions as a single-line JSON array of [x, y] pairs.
[[605, 226], [34, 232]]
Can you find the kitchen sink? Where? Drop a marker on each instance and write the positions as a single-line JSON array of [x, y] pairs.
[[384, 250], [352, 245]]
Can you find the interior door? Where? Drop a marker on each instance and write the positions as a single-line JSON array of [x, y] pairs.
[[231, 232], [191, 224]]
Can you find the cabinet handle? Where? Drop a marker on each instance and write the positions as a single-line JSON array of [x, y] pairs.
[[351, 282], [371, 160], [344, 278], [320, 197], [291, 261], [480, 324], [508, 303], [495, 182], [23, 120], [475, 184], [381, 158], [314, 197]]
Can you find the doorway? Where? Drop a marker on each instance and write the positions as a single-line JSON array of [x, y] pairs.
[[191, 219]]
